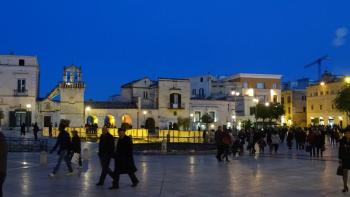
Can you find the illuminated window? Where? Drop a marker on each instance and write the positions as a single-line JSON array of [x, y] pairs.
[[260, 85]]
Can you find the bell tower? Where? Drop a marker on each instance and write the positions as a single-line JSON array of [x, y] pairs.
[[72, 90]]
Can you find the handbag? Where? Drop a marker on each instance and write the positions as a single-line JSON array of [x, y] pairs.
[[75, 158], [340, 170]]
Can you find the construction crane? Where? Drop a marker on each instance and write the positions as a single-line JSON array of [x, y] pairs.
[[318, 62]]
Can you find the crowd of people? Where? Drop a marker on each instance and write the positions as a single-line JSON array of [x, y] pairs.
[[310, 139], [122, 153]]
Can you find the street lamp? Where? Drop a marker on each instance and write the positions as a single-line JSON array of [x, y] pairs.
[[347, 80], [256, 101], [144, 116], [28, 106], [267, 104], [322, 83]]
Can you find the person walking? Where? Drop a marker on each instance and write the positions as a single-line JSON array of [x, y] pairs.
[[275, 141], [63, 144], [311, 141], [105, 154], [35, 130], [344, 158], [76, 147], [219, 135], [23, 129], [124, 160], [227, 143], [3, 161]]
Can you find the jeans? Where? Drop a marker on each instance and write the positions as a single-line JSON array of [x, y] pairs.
[[105, 160], [2, 180], [63, 155]]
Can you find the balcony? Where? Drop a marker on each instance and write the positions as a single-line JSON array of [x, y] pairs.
[[17, 92], [176, 106]]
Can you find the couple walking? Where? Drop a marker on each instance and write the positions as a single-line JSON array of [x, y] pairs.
[[123, 155]]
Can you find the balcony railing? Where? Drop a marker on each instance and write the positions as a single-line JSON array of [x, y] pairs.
[[176, 106], [17, 92]]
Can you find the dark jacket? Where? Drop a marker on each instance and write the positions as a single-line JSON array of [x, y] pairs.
[[344, 153], [76, 145], [124, 160], [63, 142], [3, 155], [219, 135], [35, 128], [106, 145]]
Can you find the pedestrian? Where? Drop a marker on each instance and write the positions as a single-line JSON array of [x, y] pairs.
[[344, 158], [227, 142], [124, 160], [3, 161], [219, 134], [290, 139], [311, 141], [35, 130], [275, 141], [105, 154], [63, 144], [23, 129], [76, 146], [262, 145]]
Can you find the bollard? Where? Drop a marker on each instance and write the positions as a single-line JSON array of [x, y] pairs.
[[43, 158], [86, 154]]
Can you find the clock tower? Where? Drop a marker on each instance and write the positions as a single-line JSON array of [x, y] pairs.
[[72, 90]]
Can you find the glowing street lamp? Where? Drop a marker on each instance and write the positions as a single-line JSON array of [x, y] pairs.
[[28, 106], [256, 100], [347, 80], [267, 104], [88, 108], [322, 83]]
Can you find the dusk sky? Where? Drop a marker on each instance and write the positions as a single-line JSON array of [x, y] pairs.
[[116, 41]]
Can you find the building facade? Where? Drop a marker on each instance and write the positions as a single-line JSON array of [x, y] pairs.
[[19, 88], [320, 103], [294, 105]]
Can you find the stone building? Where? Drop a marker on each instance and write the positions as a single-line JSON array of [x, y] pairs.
[[19, 88], [294, 105], [320, 106]]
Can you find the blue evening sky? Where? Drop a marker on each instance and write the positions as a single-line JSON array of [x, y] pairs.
[[116, 41]]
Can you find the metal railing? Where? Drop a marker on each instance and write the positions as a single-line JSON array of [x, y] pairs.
[[26, 145]]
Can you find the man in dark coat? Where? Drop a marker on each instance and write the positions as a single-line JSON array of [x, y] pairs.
[[105, 153], [219, 135], [344, 158], [3, 161], [124, 160], [64, 144], [23, 129], [35, 131]]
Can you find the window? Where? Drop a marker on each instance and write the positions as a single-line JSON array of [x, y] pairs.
[[245, 84], [327, 92], [175, 101], [274, 86], [260, 85], [201, 79], [145, 95], [194, 92], [304, 109], [212, 115], [288, 99], [320, 107], [197, 116], [312, 107], [21, 62], [282, 100], [21, 85], [316, 94], [321, 93], [201, 92], [275, 98], [332, 106]]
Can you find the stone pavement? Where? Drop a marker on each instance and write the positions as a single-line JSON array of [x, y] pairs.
[[290, 173]]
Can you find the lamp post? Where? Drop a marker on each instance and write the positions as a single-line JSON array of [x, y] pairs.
[[144, 117], [191, 123], [256, 101]]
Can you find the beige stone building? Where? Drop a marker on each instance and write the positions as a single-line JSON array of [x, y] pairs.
[[320, 106], [19, 86], [294, 104]]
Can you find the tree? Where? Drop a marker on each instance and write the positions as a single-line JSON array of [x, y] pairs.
[[183, 123], [276, 111], [207, 119], [247, 124], [262, 112], [342, 101]]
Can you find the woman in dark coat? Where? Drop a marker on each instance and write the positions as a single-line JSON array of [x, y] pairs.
[[124, 160], [76, 146], [3, 161], [344, 158]]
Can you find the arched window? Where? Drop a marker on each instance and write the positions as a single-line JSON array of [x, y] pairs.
[[201, 92]]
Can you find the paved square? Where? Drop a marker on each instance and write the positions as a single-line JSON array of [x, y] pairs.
[[290, 173]]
